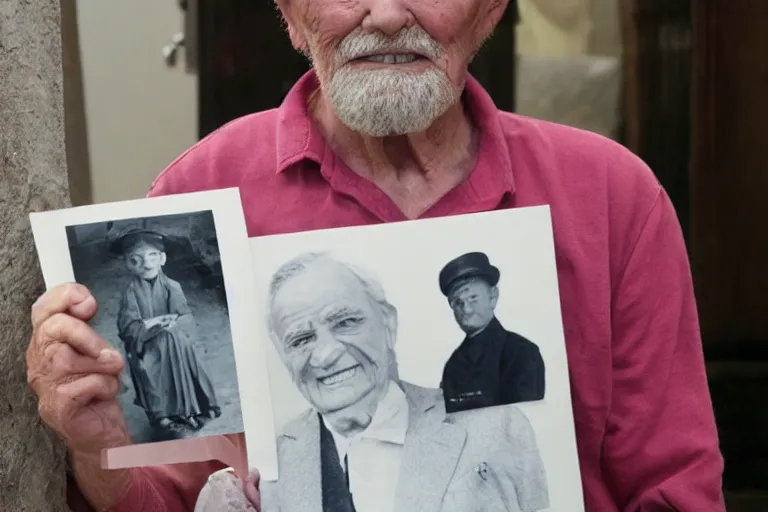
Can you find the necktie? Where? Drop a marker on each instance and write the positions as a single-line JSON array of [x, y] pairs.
[[346, 470]]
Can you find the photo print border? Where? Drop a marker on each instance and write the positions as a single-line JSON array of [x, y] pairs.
[[50, 235], [405, 259]]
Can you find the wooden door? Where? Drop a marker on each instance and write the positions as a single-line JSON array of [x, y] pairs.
[[495, 65], [729, 174], [246, 62], [657, 83], [729, 232]]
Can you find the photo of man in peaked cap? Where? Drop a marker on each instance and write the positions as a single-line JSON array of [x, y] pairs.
[[492, 366]]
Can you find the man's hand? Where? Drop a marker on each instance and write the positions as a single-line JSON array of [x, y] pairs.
[[224, 491], [169, 321], [251, 489], [157, 321], [74, 372], [162, 321]]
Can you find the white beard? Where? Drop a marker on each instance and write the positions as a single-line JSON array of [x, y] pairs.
[[388, 102]]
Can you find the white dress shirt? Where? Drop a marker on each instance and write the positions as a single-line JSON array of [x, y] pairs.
[[374, 455]]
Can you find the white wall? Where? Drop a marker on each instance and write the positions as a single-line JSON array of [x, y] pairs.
[[569, 67], [569, 28], [553, 28], [140, 114]]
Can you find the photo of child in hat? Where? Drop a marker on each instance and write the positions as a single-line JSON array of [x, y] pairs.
[[171, 294], [156, 325]]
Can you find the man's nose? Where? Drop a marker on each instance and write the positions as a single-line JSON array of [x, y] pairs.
[[387, 16], [327, 350], [467, 309]]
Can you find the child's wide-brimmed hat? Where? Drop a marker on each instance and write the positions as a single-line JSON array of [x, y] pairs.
[[129, 239]]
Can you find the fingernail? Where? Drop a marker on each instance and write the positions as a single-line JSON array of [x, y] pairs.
[[108, 355], [77, 294], [82, 298]]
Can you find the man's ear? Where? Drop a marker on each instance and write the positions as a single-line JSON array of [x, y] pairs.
[[488, 20], [494, 295], [496, 10], [391, 324], [163, 258], [298, 40]]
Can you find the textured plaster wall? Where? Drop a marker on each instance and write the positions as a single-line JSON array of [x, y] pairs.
[[32, 177]]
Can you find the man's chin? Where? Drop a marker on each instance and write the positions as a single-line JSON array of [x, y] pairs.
[[469, 329], [339, 406], [372, 123]]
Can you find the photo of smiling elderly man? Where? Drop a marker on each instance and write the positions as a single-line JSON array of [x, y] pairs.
[[370, 440]]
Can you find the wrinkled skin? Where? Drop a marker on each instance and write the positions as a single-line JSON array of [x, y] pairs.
[[74, 373], [74, 381], [414, 169], [460, 25]]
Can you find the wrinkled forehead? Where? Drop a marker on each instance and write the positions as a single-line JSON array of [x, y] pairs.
[[463, 288], [316, 292]]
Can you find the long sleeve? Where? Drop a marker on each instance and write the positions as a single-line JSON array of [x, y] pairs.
[[169, 488], [660, 449], [172, 488]]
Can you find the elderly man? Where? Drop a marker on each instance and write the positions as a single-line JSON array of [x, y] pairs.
[[370, 440], [388, 126], [492, 366]]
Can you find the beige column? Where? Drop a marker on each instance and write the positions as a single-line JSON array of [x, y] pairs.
[[553, 28]]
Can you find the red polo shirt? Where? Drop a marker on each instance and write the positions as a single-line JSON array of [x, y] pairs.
[[644, 422]]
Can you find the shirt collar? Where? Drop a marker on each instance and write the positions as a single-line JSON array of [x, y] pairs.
[[297, 136], [389, 423], [299, 139]]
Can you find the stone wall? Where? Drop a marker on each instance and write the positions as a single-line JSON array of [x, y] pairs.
[[32, 177]]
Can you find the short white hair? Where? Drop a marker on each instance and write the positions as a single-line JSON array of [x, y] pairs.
[[297, 265]]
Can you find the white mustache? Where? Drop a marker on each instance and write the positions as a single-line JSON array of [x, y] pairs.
[[415, 40]]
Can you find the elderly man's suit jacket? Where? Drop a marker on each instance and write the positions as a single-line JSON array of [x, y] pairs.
[[485, 460]]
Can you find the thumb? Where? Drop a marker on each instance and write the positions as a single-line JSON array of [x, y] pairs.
[[84, 310], [251, 489]]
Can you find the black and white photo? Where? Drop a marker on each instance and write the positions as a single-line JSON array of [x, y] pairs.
[[491, 366], [175, 299], [162, 303], [368, 429], [363, 326]]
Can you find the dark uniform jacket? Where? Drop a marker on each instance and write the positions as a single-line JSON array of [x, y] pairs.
[[496, 367]]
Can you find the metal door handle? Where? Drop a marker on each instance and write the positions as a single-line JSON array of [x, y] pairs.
[[170, 51]]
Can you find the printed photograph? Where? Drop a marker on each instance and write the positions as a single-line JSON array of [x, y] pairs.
[[163, 305], [491, 366], [419, 366], [173, 280]]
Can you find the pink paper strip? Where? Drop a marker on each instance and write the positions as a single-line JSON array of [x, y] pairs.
[[197, 449]]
